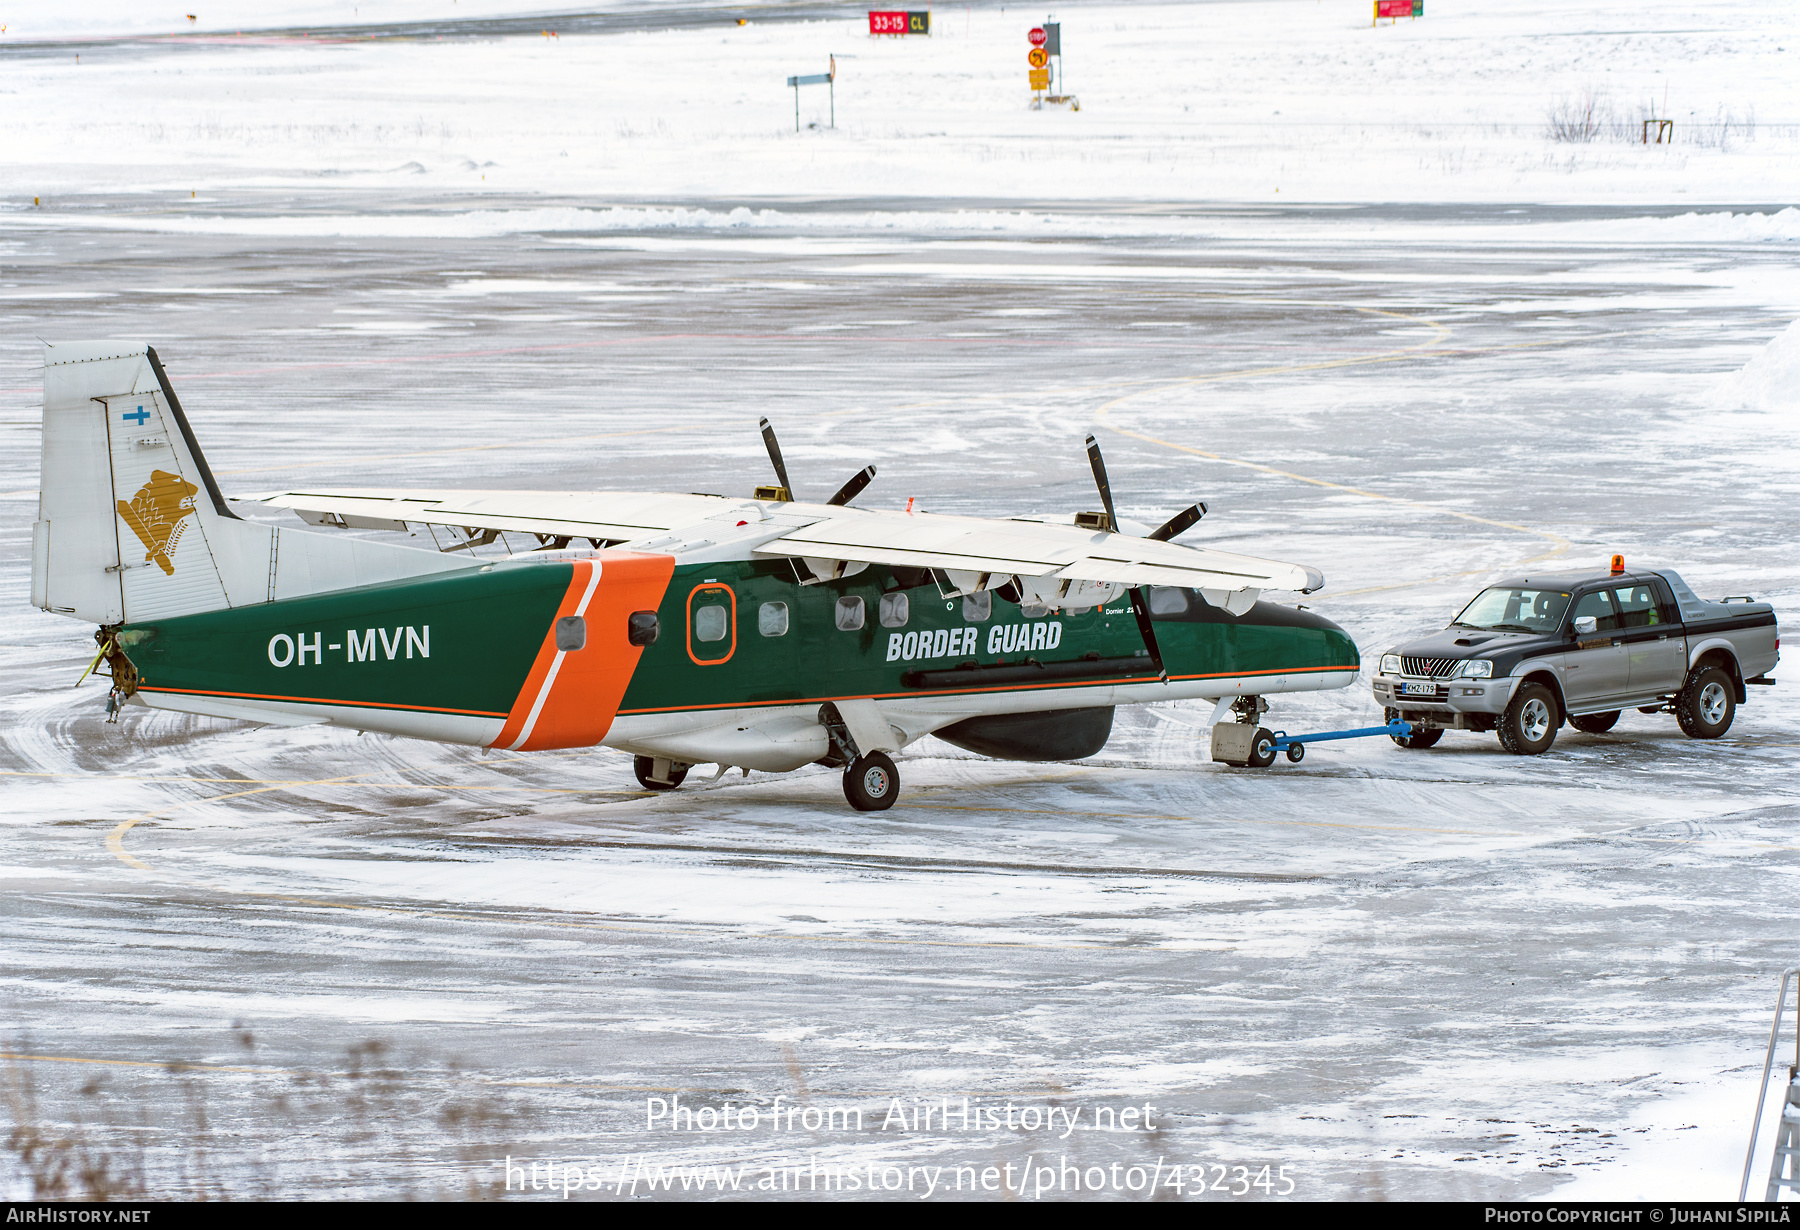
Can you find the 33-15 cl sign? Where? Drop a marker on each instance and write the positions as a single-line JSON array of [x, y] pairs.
[[899, 23]]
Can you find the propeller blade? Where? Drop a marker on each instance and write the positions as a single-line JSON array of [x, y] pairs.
[[1099, 466], [1180, 523], [1141, 608], [774, 447], [850, 490]]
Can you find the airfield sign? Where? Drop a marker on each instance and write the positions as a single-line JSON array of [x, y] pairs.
[[898, 22], [1037, 36]]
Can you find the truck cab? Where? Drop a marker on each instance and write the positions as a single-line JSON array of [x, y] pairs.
[[1531, 653]]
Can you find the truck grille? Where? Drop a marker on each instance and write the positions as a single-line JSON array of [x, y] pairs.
[[1428, 668]]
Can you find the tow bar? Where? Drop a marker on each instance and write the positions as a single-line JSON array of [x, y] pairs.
[[1254, 747]]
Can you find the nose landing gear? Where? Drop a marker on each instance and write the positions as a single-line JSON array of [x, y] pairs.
[[657, 774]]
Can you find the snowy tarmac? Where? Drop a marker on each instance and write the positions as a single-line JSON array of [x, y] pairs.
[[1451, 973], [256, 962]]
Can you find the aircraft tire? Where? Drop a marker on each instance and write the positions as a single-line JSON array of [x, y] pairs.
[[644, 766], [1595, 723], [1262, 749], [871, 783]]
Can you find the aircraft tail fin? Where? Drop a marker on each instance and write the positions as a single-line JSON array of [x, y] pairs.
[[131, 522]]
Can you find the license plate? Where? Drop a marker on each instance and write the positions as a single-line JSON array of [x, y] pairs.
[[1418, 689]]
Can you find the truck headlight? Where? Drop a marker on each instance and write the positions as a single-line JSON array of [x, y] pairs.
[[1477, 668], [1390, 664]]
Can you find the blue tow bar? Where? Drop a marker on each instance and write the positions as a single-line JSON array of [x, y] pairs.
[[1295, 745]]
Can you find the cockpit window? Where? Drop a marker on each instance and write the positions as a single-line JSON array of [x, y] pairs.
[[1501, 609]]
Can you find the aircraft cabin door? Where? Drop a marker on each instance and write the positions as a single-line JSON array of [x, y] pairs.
[[1597, 668]]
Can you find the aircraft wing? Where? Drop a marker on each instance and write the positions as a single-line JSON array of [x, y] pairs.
[[607, 516], [1031, 549], [1043, 551]]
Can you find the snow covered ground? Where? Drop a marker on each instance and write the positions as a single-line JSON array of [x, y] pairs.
[[382, 967], [1276, 100]]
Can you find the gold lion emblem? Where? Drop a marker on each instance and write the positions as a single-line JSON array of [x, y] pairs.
[[157, 515]]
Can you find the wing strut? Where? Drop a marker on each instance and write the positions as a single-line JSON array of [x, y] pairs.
[[1140, 605]]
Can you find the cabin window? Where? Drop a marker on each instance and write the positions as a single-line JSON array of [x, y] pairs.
[[571, 633], [977, 608], [711, 623], [772, 619], [1168, 600], [849, 614], [1600, 605], [642, 628], [894, 610]]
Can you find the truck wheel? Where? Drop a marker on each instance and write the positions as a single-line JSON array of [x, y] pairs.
[[644, 766], [1262, 749], [1707, 704], [1528, 727], [1595, 723], [871, 783]]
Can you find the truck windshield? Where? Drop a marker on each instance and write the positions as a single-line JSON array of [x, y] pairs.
[[1515, 610]]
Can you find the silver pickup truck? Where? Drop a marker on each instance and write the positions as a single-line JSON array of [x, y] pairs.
[[1527, 655]]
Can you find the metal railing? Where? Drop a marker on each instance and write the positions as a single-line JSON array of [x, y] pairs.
[[1787, 975]]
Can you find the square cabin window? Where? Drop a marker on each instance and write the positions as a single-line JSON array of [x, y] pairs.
[[894, 610], [849, 614], [711, 623], [978, 608], [772, 619]]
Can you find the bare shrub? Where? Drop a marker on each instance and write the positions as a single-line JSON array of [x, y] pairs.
[[377, 1123], [1580, 118]]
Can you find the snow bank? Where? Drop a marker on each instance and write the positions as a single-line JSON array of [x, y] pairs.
[[1686, 229], [1769, 382], [128, 18]]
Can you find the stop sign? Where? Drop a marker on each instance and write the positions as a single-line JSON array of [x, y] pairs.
[[1037, 36]]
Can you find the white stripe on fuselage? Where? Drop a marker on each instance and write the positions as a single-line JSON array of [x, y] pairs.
[[543, 695]]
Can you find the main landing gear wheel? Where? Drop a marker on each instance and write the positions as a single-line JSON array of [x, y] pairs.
[[1707, 704], [871, 783], [1262, 749], [1420, 739], [1595, 723], [1528, 727], [645, 768]]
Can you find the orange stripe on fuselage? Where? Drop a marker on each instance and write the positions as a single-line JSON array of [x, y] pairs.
[[575, 695]]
